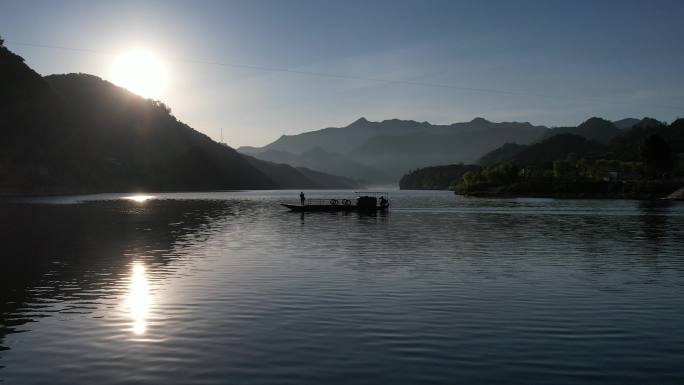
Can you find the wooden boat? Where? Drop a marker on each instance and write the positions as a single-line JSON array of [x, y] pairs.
[[369, 201]]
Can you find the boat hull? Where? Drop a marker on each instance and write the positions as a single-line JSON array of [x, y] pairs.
[[329, 208]]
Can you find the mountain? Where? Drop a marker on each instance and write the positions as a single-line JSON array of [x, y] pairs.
[[645, 162], [459, 142], [552, 148], [436, 177], [596, 129], [503, 153], [343, 139], [289, 177], [319, 159], [674, 134], [27, 105], [557, 147], [626, 123], [78, 133], [626, 146], [323, 180], [384, 151]]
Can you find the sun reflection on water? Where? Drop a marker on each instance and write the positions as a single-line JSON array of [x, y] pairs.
[[140, 198], [139, 298]]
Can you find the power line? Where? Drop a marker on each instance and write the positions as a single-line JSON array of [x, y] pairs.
[[352, 77], [298, 72]]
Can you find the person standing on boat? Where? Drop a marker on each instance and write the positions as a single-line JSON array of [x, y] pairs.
[[301, 197]]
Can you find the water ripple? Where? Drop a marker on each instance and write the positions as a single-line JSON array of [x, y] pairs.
[[228, 287]]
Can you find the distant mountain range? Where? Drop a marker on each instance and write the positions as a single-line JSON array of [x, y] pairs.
[[78, 133], [595, 138], [644, 161], [594, 159], [626, 123], [384, 151], [596, 129]]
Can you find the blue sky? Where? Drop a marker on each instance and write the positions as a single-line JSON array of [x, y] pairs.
[[547, 62]]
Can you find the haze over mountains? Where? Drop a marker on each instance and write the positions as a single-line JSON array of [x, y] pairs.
[[594, 159], [594, 136], [596, 129], [384, 151], [78, 133]]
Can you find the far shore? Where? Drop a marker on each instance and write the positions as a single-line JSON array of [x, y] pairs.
[[641, 197], [636, 190]]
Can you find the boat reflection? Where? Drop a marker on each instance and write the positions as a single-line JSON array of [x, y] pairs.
[[139, 298]]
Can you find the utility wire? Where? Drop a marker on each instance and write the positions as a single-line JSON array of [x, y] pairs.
[[351, 77]]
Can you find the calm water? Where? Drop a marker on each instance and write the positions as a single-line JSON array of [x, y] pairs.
[[223, 288]]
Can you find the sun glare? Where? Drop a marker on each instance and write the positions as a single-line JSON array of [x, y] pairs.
[[139, 198], [139, 298], [141, 72]]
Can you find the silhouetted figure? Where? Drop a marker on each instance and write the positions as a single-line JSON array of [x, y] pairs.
[[383, 202], [301, 197]]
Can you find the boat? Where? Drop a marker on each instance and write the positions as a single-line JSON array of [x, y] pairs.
[[365, 201]]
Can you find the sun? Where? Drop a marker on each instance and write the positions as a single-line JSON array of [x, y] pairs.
[[141, 72]]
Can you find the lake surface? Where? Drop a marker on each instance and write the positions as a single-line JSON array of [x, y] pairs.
[[217, 288]]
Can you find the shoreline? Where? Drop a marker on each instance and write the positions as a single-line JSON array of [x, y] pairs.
[[6, 195], [569, 196], [631, 190]]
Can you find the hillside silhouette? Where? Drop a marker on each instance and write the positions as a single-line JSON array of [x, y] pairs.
[[78, 133], [595, 159], [645, 161], [503, 153], [579, 141], [289, 177], [320, 159], [384, 151], [596, 129], [557, 147]]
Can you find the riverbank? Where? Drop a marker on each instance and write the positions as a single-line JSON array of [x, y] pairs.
[[642, 190]]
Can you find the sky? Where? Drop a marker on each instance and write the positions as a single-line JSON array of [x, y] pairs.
[[260, 69]]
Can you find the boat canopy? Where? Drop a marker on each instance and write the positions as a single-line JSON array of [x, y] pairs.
[[371, 193]]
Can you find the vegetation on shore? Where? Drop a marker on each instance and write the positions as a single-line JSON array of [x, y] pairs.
[[436, 177], [643, 162]]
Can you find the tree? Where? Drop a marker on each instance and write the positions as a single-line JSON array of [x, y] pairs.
[[471, 177], [656, 155], [502, 174], [564, 169]]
